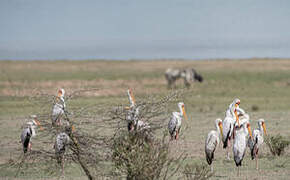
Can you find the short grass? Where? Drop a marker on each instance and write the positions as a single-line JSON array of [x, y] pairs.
[[264, 83]]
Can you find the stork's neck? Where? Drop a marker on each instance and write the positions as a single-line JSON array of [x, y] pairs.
[[130, 99], [180, 110], [218, 128], [62, 101], [246, 132], [32, 130], [260, 128], [177, 114]]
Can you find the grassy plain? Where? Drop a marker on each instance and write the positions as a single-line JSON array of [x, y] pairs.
[[263, 83]]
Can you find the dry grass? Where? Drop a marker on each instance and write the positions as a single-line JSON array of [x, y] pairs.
[[263, 83]]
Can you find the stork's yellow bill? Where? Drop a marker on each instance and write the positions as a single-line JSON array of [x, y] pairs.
[[38, 124], [249, 130], [184, 113], [221, 129], [264, 127]]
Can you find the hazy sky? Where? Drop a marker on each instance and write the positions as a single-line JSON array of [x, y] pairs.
[[127, 29]]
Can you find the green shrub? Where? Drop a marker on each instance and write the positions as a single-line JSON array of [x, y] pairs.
[[255, 108], [277, 144], [141, 159]]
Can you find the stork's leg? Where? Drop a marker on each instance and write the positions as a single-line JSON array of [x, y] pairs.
[[257, 167], [131, 128], [211, 167], [228, 149], [58, 121], [176, 137], [62, 166], [29, 146]]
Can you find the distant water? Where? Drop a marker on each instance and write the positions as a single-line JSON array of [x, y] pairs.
[[153, 52]]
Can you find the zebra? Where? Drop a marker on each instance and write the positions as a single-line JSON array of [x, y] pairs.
[[189, 75]]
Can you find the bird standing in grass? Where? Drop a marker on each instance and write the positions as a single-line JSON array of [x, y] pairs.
[[58, 108], [231, 116], [258, 140], [212, 141], [29, 132], [174, 124], [240, 134]]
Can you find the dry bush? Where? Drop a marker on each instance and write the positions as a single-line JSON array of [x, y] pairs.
[[88, 149], [141, 159], [140, 154], [277, 144]]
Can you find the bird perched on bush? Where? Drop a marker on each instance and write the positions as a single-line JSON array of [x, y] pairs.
[[58, 108]]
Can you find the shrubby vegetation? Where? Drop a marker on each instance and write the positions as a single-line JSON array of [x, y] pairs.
[[277, 144]]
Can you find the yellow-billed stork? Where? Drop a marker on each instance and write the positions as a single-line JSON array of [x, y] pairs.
[[258, 140], [58, 108], [212, 141], [132, 117], [240, 134], [29, 132], [231, 116], [174, 123]]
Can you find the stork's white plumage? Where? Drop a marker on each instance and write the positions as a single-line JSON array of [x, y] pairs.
[[62, 140], [234, 111], [29, 132], [212, 141], [58, 108], [174, 124], [231, 116], [258, 140], [133, 114], [240, 140], [228, 126]]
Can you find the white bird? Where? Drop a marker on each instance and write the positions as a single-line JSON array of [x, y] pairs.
[[240, 140], [29, 132], [231, 116], [257, 140], [234, 111], [228, 126], [133, 114], [174, 124], [58, 108], [212, 141], [62, 140]]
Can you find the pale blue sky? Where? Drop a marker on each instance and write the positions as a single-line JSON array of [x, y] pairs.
[[128, 29]]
